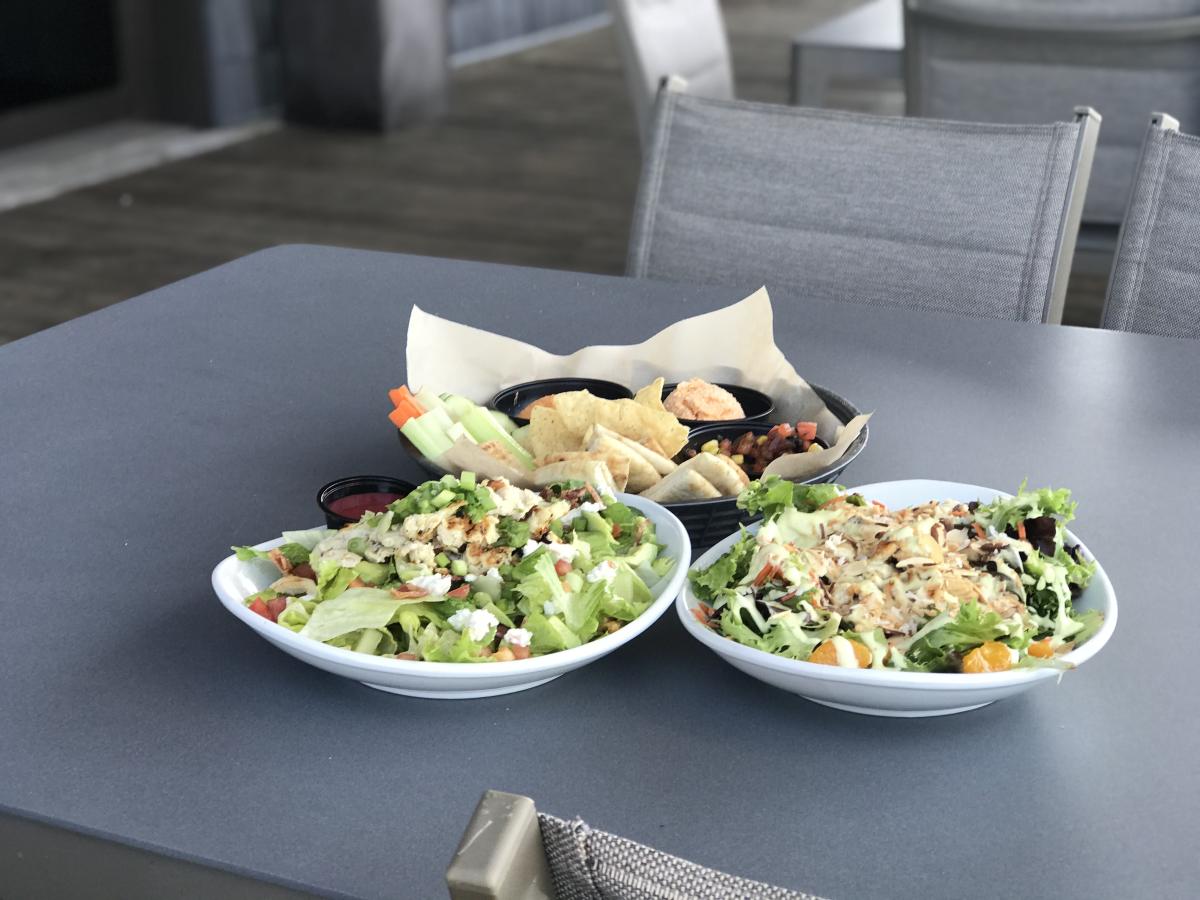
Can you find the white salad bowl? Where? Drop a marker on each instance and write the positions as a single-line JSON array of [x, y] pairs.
[[234, 580], [879, 692]]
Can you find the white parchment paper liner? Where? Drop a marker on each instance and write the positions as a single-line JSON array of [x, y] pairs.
[[735, 344]]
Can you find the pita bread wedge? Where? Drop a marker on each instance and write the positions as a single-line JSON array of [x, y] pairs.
[[685, 483], [720, 471], [641, 474], [661, 464], [592, 471], [618, 463]]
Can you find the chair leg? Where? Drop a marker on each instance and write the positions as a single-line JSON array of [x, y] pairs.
[[500, 856], [811, 71]]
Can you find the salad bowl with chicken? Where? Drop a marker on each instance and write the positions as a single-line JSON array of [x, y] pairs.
[[464, 587], [901, 598]]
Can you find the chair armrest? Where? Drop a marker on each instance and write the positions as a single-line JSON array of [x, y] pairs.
[[1147, 30], [500, 856]]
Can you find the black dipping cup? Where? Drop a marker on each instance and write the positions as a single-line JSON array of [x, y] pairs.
[[357, 484], [512, 400], [755, 404]]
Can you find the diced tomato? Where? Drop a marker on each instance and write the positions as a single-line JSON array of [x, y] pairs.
[[275, 606], [806, 431], [562, 567], [304, 570], [257, 605], [460, 592]]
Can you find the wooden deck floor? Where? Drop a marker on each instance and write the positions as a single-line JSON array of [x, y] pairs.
[[537, 164]]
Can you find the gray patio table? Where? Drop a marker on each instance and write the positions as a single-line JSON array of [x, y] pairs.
[[151, 745]]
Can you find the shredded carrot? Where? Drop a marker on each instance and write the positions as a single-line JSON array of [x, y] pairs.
[[830, 502], [979, 531], [700, 616], [1021, 529], [765, 575]]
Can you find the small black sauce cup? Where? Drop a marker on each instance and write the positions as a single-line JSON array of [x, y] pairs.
[[357, 484], [756, 405], [512, 400]]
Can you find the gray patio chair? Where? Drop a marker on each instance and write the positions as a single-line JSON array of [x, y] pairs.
[[1026, 60], [912, 213], [1155, 285], [512, 852], [659, 38]]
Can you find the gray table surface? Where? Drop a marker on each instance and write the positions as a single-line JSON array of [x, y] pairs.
[[138, 443]]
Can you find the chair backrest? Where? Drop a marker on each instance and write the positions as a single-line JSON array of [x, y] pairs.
[[1155, 284], [1026, 60], [660, 38], [913, 213], [511, 852]]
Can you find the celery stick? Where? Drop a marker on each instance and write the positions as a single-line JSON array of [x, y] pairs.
[[430, 443], [503, 421], [467, 480], [457, 406], [428, 399], [458, 567], [484, 428], [439, 416]]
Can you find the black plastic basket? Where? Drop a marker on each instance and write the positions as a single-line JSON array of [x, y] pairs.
[[709, 521]]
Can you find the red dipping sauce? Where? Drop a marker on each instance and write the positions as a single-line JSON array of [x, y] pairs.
[[352, 506]]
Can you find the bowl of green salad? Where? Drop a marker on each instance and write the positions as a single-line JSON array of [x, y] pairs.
[[465, 587], [903, 598]]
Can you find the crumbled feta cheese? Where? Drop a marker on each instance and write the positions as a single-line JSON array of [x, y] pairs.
[[518, 637], [480, 623], [587, 506], [459, 620], [475, 622], [563, 551], [434, 585], [549, 608], [309, 596], [530, 547], [603, 571], [493, 572], [469, 578]]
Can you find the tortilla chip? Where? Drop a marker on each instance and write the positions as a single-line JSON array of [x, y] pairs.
[[681, 485], [651, 395], [549, 434], [591, 471], [618, 464], [579, 411]]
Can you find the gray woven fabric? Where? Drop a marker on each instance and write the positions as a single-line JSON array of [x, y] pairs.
[[594, 865], [986, 74], [1155, 287], [884, 211], [1085, 10]]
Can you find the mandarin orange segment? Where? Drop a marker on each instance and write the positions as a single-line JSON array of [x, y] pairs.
[[1041, 649], [826, 654], [988, 657]]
